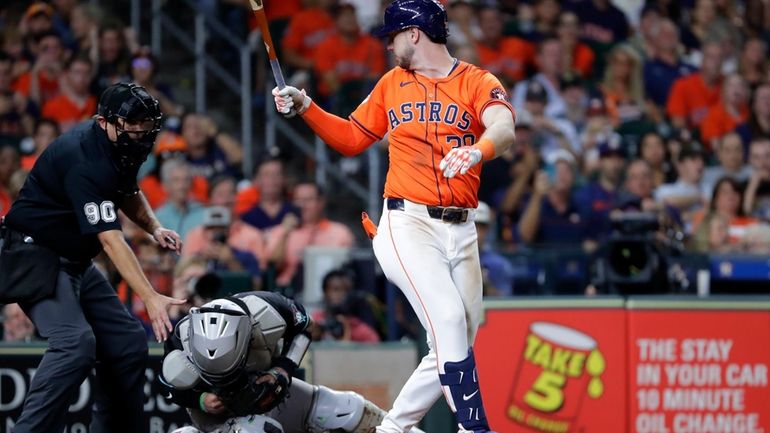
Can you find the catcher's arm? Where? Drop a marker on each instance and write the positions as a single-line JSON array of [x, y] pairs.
[[189, 398]]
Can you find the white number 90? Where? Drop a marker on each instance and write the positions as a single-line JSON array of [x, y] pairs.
[[104, 212]]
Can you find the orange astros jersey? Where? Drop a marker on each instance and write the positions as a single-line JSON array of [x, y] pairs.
[[426, 118]]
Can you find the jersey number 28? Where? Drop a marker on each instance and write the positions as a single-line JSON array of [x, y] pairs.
[[458, 141]]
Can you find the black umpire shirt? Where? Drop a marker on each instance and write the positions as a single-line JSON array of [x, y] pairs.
[[73, 193]]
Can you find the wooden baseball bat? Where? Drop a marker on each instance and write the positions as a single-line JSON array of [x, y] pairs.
[[259, 14]]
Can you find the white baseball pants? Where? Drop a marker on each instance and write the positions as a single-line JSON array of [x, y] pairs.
[[436, 266]]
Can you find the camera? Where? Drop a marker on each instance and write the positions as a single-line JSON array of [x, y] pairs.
[[205, 287], [220, 238], [334, 327], [632, 261]]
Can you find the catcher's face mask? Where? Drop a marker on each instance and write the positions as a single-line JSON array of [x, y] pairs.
[[219, 336]]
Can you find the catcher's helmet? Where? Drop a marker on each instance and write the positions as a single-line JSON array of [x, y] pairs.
[[133, 104], [427, 15], [219, 336]]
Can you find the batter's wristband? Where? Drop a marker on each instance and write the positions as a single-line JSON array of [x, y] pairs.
[[487, 148], [202, 402]]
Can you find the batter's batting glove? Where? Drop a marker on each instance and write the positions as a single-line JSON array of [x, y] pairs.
[[291, 101], [459, 160]]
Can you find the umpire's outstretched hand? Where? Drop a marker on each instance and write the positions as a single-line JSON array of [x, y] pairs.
[[157, 308]]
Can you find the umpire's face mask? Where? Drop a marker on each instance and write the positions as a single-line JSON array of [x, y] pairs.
[[134, 142]]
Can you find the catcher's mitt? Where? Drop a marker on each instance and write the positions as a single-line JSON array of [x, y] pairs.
[[258, 398]]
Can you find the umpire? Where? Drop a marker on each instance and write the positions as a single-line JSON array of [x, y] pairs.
[[65, 215]]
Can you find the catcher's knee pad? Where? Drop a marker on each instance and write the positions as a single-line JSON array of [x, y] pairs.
[[347, 411], [462, 380]]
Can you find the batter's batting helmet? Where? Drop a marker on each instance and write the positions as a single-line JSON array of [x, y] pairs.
[[427, 15]]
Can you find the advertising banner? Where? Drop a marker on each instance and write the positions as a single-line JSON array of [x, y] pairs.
[[699, 367], [18, 365], [553, 366]]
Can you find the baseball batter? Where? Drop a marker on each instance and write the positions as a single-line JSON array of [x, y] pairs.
[[444, 117]]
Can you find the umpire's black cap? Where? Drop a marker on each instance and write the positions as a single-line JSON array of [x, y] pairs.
[[130, 102]]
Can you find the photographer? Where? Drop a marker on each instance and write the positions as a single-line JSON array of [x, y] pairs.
[[552, 215], [346, 312], [216, 250]]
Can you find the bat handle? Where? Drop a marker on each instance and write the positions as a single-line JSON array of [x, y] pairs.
[[277, 74]]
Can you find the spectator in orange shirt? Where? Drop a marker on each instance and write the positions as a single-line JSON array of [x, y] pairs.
[[307, 29], [622, 86], [508, 58], [75, 103], [46, 131], [579, 57], [348, 61], [151, 184], [9, 163], [726, 202], [732, 112], [692, 96], [287, 241], [41, 83]]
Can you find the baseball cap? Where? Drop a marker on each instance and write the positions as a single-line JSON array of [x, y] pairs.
[[570, 79], [216, 216], [559, 155], [483, 214], [170, 142], [523, 119], [611, 144], [38, 9], [536, 92]]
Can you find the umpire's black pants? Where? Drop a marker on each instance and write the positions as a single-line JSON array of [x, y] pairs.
[[86, 325]]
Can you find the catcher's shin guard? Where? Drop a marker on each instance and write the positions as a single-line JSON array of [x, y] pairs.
[[347, 411], [462, 380]]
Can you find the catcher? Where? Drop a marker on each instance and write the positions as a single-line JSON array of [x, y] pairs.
[[231, 361]]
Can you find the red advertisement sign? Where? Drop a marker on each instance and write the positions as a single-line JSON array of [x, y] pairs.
[[553, 370], [698, 371]]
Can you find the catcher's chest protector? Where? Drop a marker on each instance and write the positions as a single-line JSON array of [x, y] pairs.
[[267, 332]]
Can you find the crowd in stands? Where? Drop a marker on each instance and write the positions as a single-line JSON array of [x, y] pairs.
[[620, 107]]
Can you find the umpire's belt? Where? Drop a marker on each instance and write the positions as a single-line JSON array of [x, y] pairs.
[[454, 215]]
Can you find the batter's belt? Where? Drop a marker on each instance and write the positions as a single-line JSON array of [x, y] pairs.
[[453, 215]]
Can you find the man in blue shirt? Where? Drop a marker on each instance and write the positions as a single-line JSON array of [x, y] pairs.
[[665, 66], [596, 199], [180, 213], [552, 215]]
